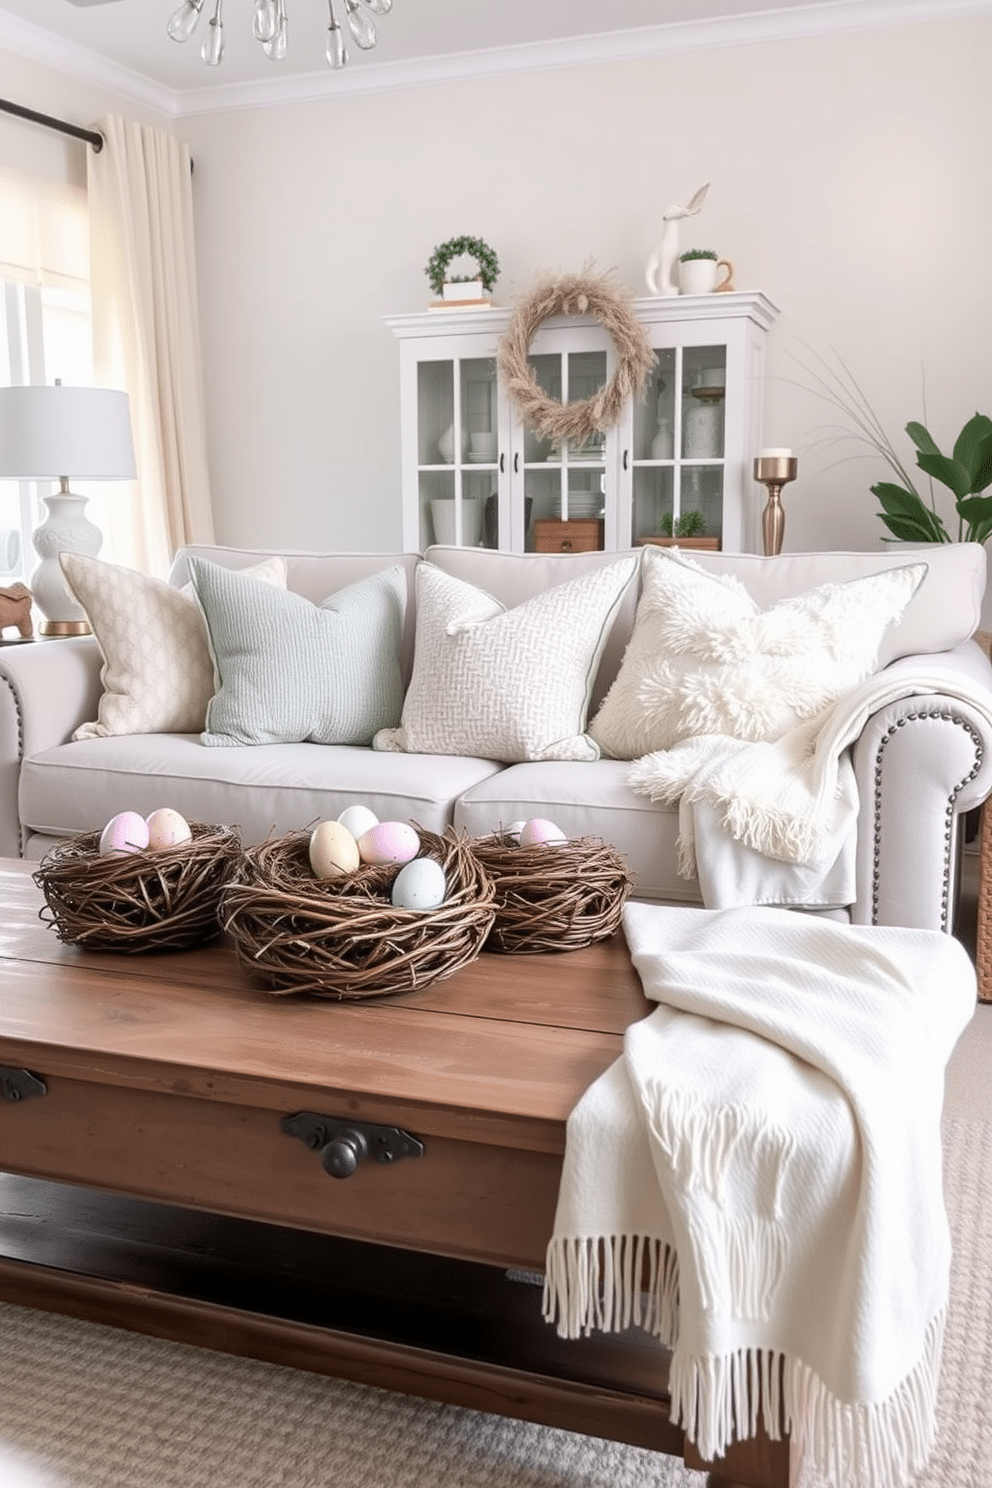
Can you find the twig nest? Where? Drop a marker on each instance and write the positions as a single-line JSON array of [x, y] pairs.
[[156, 899], [343, 938], [553, 896]]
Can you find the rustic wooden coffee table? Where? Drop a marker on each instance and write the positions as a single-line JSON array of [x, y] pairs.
[[169, 1135]]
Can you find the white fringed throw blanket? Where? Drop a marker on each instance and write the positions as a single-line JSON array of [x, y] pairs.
[[774, 823], [757, 1181]]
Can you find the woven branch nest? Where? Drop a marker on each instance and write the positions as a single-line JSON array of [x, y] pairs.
[[575, 294], [162, 900], [341, 937], [553, 898]]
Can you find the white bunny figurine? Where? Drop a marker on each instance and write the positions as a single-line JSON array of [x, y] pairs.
[[660, 270]]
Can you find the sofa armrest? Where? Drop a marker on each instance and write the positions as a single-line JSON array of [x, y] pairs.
[[920, 764], [47, 689]]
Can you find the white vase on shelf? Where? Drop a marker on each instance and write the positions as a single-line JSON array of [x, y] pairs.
[[443, 518], [702, 429], [663, 445], [446, 444]]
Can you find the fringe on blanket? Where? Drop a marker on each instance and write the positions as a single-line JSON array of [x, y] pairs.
[[611, 1282], [882, 1445]]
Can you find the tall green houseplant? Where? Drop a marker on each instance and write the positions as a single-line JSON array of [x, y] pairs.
[[966, 472], [909, 516]]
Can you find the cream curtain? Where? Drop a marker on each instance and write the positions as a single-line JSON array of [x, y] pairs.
[[146, 334]]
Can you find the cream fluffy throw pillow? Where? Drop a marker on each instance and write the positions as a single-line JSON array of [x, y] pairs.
[[502, 684], [704, 659], [157, 675]]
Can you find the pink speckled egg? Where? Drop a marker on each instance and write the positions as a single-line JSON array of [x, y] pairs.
[[540, 830], [166, 828], [389, 842], [127, 832]]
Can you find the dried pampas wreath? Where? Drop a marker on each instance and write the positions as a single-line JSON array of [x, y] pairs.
[[574, 294]]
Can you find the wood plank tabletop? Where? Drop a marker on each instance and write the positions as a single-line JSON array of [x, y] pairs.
[[503, 1048]]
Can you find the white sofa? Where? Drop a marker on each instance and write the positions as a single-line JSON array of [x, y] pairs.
[[921, 763]]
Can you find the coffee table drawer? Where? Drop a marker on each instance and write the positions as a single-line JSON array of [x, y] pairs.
[[461, 1198]]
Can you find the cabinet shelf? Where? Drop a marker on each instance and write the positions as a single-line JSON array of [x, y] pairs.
[[701, 406]]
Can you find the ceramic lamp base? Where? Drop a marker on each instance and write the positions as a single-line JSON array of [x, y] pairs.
[[66, 529]]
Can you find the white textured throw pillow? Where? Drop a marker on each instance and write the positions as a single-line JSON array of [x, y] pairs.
[[705, 659], [502, 684], [157, 674]]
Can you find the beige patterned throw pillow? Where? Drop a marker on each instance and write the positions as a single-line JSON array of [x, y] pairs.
[[502, 684], [157, 675], [704, 658]]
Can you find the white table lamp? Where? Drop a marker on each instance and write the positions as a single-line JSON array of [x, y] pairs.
[[52, 433]]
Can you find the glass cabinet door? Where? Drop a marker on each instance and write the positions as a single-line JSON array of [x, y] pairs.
[[457, 452], [566, 482], [678, 446], [676, 466]]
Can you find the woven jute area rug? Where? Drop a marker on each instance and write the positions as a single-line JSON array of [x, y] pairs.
[[96, 1407]]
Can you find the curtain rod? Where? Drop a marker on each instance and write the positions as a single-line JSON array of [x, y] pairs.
[[89, 135]]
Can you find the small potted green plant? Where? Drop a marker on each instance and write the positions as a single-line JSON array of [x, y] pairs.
[[699, 270], [462, 287], [687, 529]]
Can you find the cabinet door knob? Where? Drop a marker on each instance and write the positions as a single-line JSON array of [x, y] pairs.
[[626, 458], [516, 464], [566, 545], [502, 463]]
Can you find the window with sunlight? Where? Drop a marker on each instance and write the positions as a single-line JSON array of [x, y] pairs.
[[45, 333]]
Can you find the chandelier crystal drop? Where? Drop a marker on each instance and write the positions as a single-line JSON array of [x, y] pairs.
[[270, 28]]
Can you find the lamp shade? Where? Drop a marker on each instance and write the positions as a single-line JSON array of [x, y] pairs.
[[50, 432]]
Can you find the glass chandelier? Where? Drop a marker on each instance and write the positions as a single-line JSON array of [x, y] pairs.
[[271, 27]]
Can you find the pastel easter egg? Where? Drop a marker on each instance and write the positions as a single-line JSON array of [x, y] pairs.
[[166, 828], [127, 832], [420, 884], [539, 830], [389, 842], [358, 819], [333, 850]]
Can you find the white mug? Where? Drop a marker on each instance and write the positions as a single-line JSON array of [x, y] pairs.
[[702, 275]]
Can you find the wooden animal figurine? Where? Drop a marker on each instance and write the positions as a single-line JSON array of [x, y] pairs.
[[661, 269], [15, 609]]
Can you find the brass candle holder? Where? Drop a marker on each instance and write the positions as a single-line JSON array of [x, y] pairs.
[[774, 471]]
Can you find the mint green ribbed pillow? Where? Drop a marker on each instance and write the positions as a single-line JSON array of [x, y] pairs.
[[290, 670]]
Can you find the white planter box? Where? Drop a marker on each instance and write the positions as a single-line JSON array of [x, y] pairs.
[[469, 289]]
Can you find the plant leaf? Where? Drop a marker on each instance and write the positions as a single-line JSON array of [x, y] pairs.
[[981, 466], [906, 516], [948, 471], [976, 510], [922, 438], [969, 442]]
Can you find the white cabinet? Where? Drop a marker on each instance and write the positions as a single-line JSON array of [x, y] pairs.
[[472, 473]]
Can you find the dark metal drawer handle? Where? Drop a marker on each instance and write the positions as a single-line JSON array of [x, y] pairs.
[[344, 1144], [18, 1084]]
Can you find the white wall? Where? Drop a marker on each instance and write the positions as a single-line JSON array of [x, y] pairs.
[[27, 147], [849, 182]]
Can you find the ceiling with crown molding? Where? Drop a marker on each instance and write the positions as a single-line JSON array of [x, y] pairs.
[[123, 43]]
